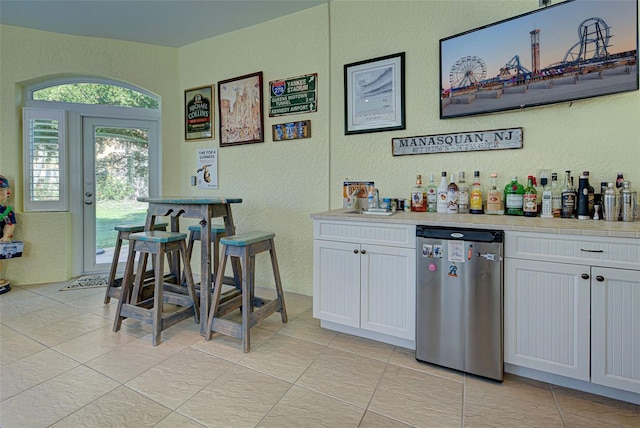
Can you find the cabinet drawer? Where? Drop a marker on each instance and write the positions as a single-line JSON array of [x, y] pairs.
[[395, 235], [585, 250]]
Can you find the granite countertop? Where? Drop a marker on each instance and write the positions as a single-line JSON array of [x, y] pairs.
[[618, 229]]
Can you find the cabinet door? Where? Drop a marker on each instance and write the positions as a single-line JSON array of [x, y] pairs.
[[336, 282], [615, 328], [388, 290], [547, 317]]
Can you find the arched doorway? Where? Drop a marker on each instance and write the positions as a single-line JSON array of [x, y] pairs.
[[113, 146]]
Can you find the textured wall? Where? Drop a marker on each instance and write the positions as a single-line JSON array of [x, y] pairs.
[[601, 135], [281, 182]]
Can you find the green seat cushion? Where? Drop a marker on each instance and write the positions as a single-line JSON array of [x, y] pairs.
[[244, 239]]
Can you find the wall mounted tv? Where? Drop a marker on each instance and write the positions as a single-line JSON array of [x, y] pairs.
[[569, 51]]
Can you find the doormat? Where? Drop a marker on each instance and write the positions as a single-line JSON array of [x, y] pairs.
[[89, 281]]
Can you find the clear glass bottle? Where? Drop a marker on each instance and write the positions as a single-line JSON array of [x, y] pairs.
[[556, 196], [432, 196], [494, 197], [513, 197], [546, 202], [452, 196], [419, 196], [442, 194], [568, 197], [463, 194], [530, 199], [475, 196]]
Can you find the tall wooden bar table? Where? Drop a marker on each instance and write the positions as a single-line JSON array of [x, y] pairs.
[[203, 209]]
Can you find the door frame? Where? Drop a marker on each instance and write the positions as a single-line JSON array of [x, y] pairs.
[[76, 113], [89, 124]]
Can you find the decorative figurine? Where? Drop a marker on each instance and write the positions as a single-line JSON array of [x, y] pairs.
[[7, 224]]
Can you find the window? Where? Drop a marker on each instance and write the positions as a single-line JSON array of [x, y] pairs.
[[95, 94], [45, 152]]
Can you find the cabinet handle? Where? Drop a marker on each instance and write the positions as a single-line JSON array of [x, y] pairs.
[[585, 276], [600, 278], [591, 251], [363, 251], [355, 251]]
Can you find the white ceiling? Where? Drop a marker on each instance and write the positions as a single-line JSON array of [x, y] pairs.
[[173, 23]]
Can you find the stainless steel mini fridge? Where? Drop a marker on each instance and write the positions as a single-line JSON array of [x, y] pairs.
[[459, 312]]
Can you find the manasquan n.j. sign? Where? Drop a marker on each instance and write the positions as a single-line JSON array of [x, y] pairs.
[[496, 139]]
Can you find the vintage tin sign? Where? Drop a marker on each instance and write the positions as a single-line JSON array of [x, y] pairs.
[[294, 95]]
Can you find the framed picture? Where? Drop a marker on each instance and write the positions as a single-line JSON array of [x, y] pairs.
[[291, 130], [240, 106], [569, 51], [198, 114], [374, 95]]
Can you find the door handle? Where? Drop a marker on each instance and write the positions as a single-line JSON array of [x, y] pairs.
[[363, 251], [88, 202], [599, 278], [88, 194], [585, 276], [355, 251]]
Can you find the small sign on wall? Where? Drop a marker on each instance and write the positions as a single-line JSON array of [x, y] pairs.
[[293, 95], [496, 139], [291, 130], [207, 172]]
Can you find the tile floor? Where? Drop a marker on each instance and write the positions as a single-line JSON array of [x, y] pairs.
[[62, 366]]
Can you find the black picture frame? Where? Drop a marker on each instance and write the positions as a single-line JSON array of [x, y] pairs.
[[374, 95], [569, 51], [241, 111], [198, 113]]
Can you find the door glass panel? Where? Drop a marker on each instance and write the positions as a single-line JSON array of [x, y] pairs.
[[121, 175]]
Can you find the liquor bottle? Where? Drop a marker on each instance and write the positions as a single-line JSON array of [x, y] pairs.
[[494, 203], [530, 199], [583, 198], [419, 196], [591, 194], [568, 197], [539, 188], [513, 197], [556, 196], [442, 194], [619, 180], [463, 195], [452, 196], [546, 210], [432, 196], [475, 197]]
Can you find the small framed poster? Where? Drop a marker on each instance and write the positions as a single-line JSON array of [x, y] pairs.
[[241, 111], [198, 114], [374, 95]]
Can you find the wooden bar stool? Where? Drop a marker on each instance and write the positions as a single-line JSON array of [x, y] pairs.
[[254, 309], [113, 284], [217, 232], [150, 311]]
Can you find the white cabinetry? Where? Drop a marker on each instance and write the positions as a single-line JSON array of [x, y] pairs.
[[364, 279], [573, 307], [547, 317], [615, 328]]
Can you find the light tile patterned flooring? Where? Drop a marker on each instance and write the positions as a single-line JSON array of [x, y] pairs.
[[62, 366]]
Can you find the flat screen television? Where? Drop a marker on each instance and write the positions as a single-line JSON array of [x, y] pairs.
[[569, 51]]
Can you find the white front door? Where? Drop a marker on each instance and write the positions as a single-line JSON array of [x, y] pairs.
[[120, 163]]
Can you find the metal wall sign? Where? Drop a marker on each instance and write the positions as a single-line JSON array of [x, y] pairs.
[[495, 139], [294, 95]]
